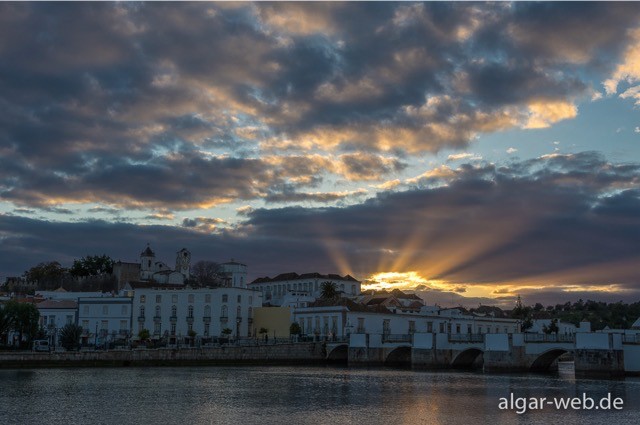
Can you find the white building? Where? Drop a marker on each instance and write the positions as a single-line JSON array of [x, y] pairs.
[[342, 320], [173, 311], [539, 325], [157, 271], [234, 274], [104, 319], [55, 315], [276, 289]]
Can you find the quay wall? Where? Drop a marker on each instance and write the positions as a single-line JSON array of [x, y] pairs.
[[300, 353]]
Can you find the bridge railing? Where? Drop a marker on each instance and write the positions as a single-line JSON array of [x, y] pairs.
[[396, 337], [466, 337], [531, 337], [631, 339]]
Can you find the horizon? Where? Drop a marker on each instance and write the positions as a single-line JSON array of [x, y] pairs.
[[443, 148]]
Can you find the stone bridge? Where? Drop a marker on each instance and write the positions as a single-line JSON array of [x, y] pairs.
[[593, 353]]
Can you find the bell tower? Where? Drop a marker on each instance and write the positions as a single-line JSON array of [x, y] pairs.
[[183, 262]]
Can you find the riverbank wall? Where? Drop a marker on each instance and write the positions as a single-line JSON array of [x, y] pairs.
[[294, 353]]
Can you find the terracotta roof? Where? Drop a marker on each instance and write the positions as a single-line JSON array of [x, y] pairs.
[[295, 276], [66, 304], [154, 285]]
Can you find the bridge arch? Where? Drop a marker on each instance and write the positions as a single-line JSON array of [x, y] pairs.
[[468, 359], [399, 356], [339, 353], [544, 361]]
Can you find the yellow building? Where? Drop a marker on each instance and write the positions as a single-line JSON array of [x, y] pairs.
[[277, 321]]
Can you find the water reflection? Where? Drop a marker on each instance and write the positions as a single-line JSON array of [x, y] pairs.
[[296, 395]]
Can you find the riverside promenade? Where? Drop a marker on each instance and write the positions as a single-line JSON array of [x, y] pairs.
[[282, 353]]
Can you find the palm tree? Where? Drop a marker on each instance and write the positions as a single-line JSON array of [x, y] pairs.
[[70, 336], [329, 290]]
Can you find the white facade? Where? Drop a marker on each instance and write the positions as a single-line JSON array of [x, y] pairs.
[[235, 274], [174, 312], [340, 322], [158, 271], [276, 290], [55, 315], [104, 318], [67, 295]]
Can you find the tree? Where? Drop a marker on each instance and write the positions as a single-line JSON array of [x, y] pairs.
[[144, 334], [206, 273], [295, 329], [552, 328], [46, 275], [226, 332], [6, 324], [25, 318], [92, 265], [70, 336], [329, 290]]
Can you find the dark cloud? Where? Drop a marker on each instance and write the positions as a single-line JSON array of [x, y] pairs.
[[532, 225], [93, 92]]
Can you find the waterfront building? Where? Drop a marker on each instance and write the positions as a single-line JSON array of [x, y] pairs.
[[346, 317], [234, 274], [275, 290], [104, 319], [176, 312], [56, 314]]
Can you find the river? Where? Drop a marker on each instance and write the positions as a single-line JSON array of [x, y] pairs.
[[297, 395]]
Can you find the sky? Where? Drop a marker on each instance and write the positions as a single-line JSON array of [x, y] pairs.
[[471, 152]]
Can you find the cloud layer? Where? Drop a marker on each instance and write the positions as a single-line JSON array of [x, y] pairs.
[[176, 105]]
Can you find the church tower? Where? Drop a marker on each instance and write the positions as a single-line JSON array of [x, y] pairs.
[[147, 257], [183, 262]]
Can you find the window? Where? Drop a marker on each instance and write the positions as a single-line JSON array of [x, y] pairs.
[[458, 328], [353, 289], [412, 326], [123, 325], [85, 310], [158, 299], [225, 297], [124, 310], [69, 319], [173, 329], [141, 311], [52, 320], [360, 325], [386, 326], [85, 324], [174, 298], [105, 309], [143, 298], [429, 326], [469, 329], [239, 299], [191, 298], [206, 329], [104, 325], [157, 311], [174, 311], [189, 327], [207, 311], [190, 314], [156, 328], [207, 298], [224, 311], [441, 327], [250, 313]]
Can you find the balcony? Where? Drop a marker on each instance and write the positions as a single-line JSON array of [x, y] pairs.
[[224, 319], [189, 319], [206, 319], [140, 318], [466, 337], [157, 319], [533, 337], [173, 318], [396, 338]]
